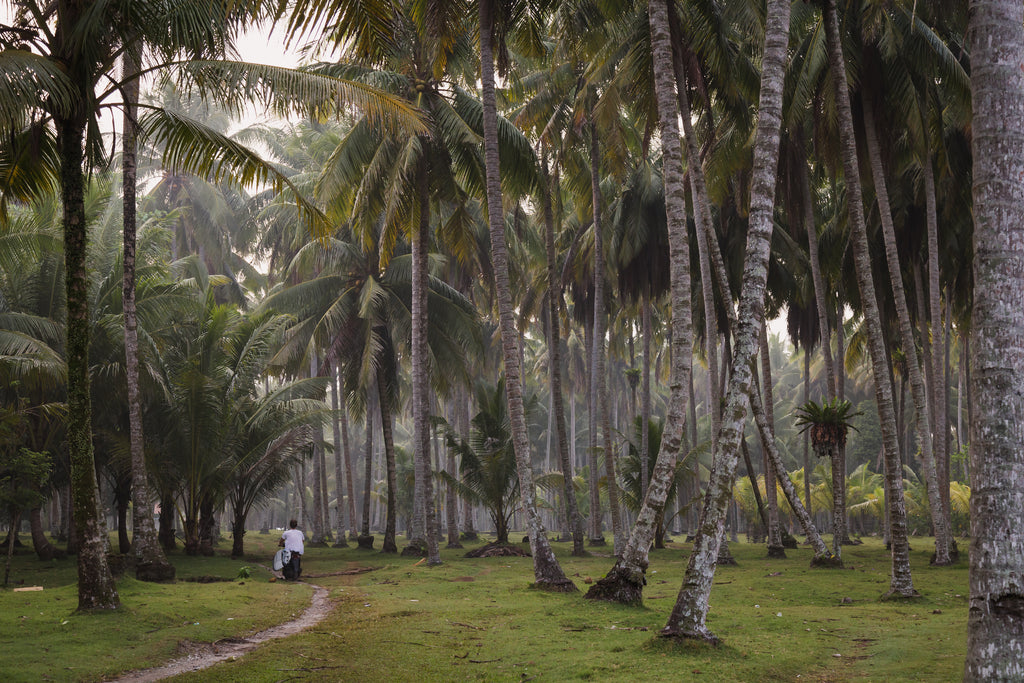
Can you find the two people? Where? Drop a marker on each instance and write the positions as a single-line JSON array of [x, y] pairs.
[[292, 541]]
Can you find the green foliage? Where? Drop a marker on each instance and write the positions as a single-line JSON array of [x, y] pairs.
[[827, 422]]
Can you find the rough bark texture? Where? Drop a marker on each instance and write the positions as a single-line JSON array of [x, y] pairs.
[[427, 524], [364, 531], [150, 562], [919, 394], [901, 583], [96, 588], [775, 547], [555, 368], [547, 571], [689, 615], [340, 455], [625, 582], [995, 626], [389, 544]]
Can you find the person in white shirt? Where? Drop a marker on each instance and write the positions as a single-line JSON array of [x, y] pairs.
[[292, 541]]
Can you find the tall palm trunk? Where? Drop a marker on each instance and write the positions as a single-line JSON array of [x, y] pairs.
[[426, 516], [600, 374], [150, 562], [365, 540], [96, 589], [389, 544], [901, 583], [341, 455], [625, 582], [547, 571], [917, 389], [775, 546], [940, 417], [995, 639], [689, 615], [555, 365]]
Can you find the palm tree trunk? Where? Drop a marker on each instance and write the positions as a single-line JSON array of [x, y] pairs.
[[389, 544], [365, 540], [625, 582], [995, 640], [425, 519], [600, 373], [547, 571], [775, 546], [96, 589], [341, 455], [593, 472], [555, 364], [901, 583], [150, 562], [689, 615], [44, 549], [917, 389]]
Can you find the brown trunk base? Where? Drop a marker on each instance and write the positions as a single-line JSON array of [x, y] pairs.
[[893, 596], [498, 550], [621, 585], [704, 637], [826, 562], [389, 546], [789, 541], [454, 544], [469, 536], [776, 552], [416, 548], [365, 542], [851, 541], [155, 572], [596, 541]]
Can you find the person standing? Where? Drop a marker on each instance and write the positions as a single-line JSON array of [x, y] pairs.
[[292, 541]]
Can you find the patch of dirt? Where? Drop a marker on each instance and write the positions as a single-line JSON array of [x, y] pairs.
[[198, 656]]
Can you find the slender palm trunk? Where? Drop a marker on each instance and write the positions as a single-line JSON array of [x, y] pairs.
[[995, 637], [555, 366], [600, 373], [625, 582], [96, 589], [689, 615], [389, 544], [547, 571], [775, 546], [917, 389], [150, 562], [341, 455], [426, 521], [365, 540], [901, 583]]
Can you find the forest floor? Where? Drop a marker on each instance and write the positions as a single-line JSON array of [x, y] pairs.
[[365, 616]]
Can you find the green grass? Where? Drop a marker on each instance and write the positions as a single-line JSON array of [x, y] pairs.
[[479, 620]]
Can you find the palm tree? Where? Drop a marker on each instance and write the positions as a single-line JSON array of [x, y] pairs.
[[995, 644], [901, 583], [487, 469]]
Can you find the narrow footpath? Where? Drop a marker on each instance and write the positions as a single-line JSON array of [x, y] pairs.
[[206, 655]]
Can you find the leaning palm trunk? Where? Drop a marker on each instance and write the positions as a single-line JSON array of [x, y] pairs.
[[917, 389], [901, 582], [340, 453], [572, 509], [547, 572], [150, 562], [626, 580], [995, 638], [688, 617], [775, 546]]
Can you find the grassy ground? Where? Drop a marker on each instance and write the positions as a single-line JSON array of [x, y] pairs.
[[477, 619]]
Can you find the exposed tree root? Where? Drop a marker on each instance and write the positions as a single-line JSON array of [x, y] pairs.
[[776, 552], [556, 586], [498, 550], [703, 636], [826, 562]]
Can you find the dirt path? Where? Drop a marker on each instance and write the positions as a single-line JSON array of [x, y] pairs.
[[205, 655]]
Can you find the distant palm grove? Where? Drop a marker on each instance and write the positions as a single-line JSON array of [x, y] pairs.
[[505, 267]]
